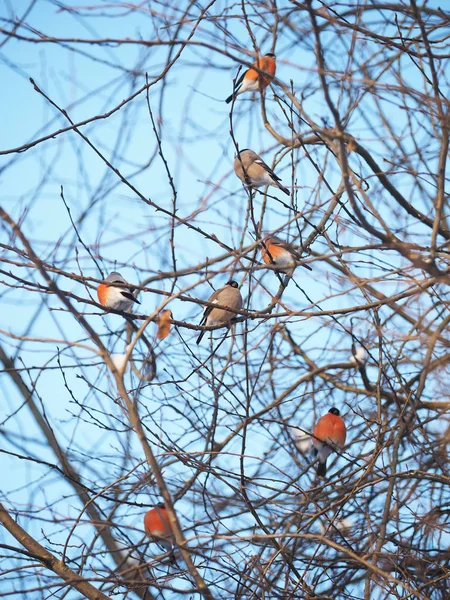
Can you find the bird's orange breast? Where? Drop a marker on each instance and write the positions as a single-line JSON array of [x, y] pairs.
[[156, 523], [331, 427], [271, 250], [265, 63], [268, 64], [102, 294]]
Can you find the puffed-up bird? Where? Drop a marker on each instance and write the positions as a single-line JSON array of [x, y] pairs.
[[328, 436], [252, 80], [157, 527], [253, 171], [282, 255], [117, 298], [228, 296], [359, 356]]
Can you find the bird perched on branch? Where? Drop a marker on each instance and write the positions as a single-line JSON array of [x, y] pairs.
[[253, 171], [328, 436], [252, 80], [157, 527], [281, 254], [359, 356], [228, 296], [118, 298]]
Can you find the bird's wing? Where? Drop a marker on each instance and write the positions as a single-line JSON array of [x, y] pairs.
[[262, 164], [126, 293], [291, 249], [294, 250], [206, 311], [129, 296], [240, 80]]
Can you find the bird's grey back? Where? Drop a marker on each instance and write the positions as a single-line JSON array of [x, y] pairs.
[[115, 276], [246, 157]]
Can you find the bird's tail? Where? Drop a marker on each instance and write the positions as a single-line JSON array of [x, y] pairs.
[[322, 469], [283, 189], [202, 322], [237, 90]]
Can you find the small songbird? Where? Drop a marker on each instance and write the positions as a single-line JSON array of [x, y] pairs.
[[229, 296], [253, 171], [359, 356], [117, 298], [251, 80], [157, 527], [163, 322], [281, 254], [302, 440], [328, 436]]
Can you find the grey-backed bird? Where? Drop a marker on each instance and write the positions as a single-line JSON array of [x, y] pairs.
[[329, 435], [281, 254], [117, 298], [253, 171], [252, 80], [228, 296]]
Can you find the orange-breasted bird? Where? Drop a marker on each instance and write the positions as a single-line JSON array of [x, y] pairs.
[[229, 296], [328, 436], [117, 298], [253, 171], [157, 527], [252, 80], [281, 254]]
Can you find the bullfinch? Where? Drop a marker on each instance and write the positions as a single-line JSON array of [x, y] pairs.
[[229, 296], [117, 298], [157, 527], [281, 254], [253, 171], [328, 436], [252, 80]]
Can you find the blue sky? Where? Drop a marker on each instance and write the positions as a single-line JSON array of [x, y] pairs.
[[134, 238]]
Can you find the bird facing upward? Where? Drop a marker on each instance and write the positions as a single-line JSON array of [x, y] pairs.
[[254, 172], [282, 255], [251, 80], [117, 298], [229, 296], [328, 436]]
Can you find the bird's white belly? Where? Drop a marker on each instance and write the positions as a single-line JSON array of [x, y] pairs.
[[249, 85], [116, 301], [323, 450], [284, 260], [266, 179], [219, 317]]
